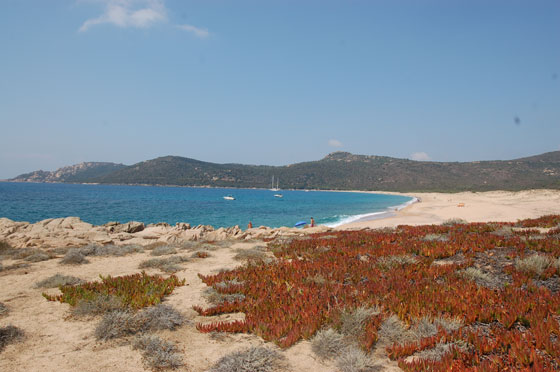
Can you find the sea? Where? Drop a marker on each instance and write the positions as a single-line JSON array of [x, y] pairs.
[[99, 204]]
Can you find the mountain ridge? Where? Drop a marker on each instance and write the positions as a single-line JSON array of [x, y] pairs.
[[340, 171]]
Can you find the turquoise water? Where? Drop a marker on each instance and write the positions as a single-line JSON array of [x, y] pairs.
[[99, 204]]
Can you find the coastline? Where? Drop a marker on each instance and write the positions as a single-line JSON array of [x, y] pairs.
[[488, 206]]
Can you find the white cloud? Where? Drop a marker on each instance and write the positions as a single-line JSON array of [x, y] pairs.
[[335, 143], [420, 156], [129, 13], [198, 32]]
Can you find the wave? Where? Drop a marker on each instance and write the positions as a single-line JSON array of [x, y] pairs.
[[390, 211]]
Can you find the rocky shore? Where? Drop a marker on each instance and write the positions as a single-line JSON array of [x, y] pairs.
[[73, 232]]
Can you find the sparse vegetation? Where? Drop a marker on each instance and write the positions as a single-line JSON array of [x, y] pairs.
[[481, 278], [74, 257], [163, 250], [353, 322], [214, 297], [157, 353], [389, 262], [328, 343], [110, 250], [454, 221], [99, 304], [5, 248], [169, 264], [200, 254], [253, 255], [58, 280], [535, 264], [9, 335], [118, 323], [254, 359], [436, 238], [353, 359], [160, 317], [3, 309], [38, 257]]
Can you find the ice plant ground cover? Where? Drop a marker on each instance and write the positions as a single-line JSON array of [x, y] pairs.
[[134, 291], [477, 274]]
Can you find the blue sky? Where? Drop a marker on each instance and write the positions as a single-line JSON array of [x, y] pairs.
[[276, 82]]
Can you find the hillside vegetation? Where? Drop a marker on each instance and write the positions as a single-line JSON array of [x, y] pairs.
[[345, 171]]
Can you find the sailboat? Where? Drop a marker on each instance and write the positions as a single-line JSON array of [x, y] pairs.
[[272, 188], [277, 187]]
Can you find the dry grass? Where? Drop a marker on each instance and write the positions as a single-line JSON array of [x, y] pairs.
[[435, 238], [436, 353], [100, 304], [169, 264], [353, 359], [163, 250], [160, 317], [157, 353], [74, 257], [110, 250], [118, 323], [256, 254], [38, 257], [454, 221], [58, 280], [5, 248], [353, 322], [535, 264], [9, 335], [328, 343], [481, 278], [389, 262], [393, 330], [3, 309], [215, 298], [254, 359]]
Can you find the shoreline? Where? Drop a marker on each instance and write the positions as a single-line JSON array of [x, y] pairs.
[[488, 206]]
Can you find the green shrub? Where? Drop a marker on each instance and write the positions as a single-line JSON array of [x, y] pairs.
[[135, 291]]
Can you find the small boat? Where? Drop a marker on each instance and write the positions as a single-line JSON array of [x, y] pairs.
[[229, 197], [278, 195]]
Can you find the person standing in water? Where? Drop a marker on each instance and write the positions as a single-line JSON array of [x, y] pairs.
[[312, 222], [250, 225]]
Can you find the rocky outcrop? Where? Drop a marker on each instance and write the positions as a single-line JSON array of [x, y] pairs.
[[73, 232]]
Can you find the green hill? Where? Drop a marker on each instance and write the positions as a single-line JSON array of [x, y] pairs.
[[345, 171]]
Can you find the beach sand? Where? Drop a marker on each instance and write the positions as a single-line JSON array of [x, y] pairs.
[[435, 208], [56, 341]]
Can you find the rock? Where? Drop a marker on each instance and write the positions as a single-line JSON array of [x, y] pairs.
[[182, 226], [129, 227]]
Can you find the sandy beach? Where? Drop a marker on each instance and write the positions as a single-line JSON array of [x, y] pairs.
[[435, 208], [55, 340]]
